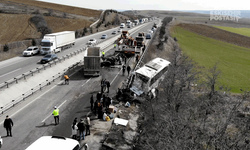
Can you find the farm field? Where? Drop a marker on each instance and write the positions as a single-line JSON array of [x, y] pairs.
[[233, 60], [241, 31], [217, 34]]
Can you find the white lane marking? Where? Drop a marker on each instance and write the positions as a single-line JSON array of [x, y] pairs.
[[57, 107], [30, 102], [86, 82], [13, 62], [10, 72], [115, 76]]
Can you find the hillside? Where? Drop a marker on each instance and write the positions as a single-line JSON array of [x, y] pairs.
[[17, 27], [62, 8]]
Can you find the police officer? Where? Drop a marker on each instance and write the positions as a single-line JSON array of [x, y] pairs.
[[56, 115]]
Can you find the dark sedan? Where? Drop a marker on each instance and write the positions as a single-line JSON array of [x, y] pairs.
[[48, 58]]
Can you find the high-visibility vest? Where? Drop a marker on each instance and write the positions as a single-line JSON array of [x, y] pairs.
[[103, 53], [56, 112]]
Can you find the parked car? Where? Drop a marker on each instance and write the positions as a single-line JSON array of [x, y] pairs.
[[30, 51], [54, 142], [92, 41], [148, 36], [153, 29], [48, 58], [150, 31], [104, 36], [1, 142], [114, 32]]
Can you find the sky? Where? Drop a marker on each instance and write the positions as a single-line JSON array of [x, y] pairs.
[[157, 4]]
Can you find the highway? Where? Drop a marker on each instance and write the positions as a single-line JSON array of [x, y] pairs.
[[19, 65], [33, 117]]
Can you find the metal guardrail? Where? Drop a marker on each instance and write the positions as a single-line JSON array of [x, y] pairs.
[[30, 73], [131, 77], [37, 88]]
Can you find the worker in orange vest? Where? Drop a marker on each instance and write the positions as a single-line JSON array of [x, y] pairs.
[[66, 77]]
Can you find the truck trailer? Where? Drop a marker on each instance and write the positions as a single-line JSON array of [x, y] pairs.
[[92, 63], [55, 42]]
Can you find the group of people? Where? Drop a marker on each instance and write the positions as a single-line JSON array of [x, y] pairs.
[[124, 68], [81, 128], [101, 103]]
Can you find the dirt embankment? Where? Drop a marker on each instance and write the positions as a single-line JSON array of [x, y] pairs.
[[217, 34], [63, 8]]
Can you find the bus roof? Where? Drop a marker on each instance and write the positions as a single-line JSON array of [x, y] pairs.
[[152, 67]]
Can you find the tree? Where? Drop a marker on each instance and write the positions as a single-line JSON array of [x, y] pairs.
[[212, 77], [33, 42], [6, 48], [50, 12], [64, 15]]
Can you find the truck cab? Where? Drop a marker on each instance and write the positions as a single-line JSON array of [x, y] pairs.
[[48, 46], [122, 25]]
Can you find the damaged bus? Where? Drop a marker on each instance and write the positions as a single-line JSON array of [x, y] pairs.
[[149, 76]]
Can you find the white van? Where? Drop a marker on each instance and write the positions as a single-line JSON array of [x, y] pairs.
[[122, 25], [54, 143]]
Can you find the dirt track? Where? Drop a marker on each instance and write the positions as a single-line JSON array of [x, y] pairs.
[[217, 34]]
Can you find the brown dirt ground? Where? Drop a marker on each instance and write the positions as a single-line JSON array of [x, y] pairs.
[[63, 8], [17, 28], [217, 34]]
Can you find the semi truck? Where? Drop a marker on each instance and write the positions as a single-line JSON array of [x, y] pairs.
[[92, 63], [55, 42]]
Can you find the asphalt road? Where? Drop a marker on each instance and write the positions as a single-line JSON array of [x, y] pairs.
[[33, 117], [20, 65]]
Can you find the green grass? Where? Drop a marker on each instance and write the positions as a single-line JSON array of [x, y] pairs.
[[234, 61], [241, 31]]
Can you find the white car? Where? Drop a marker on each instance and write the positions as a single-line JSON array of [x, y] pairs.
[[30, 51], [1, 142], [92, 41], [150, 31], [119, 30], [54, 143]]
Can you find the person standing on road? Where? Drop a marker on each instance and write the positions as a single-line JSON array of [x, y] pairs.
[[74, 129], [108, 85], [81, 128], [95, 107], [56, 115], [123, 69], [66, 77], [87, 126], [103, 54], [128, 69], [91, 102], [8, 124]]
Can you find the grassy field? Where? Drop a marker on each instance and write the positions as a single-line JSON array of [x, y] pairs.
[[233, 60], [241, 31]]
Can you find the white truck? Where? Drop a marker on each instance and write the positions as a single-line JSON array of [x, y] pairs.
[[55, 42], [128, 23], [136, 22]]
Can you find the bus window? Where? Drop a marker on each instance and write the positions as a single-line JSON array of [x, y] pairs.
[[142, 78]]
